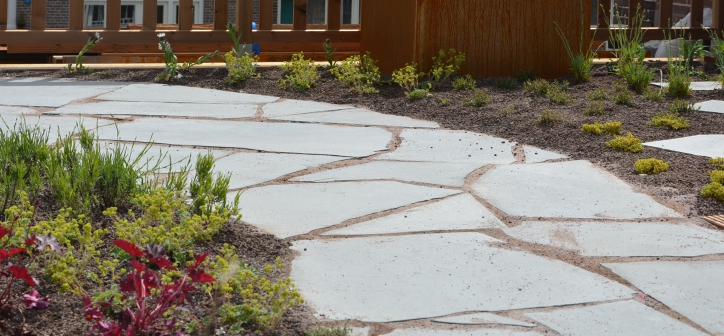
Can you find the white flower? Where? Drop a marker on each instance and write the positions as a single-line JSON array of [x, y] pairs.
[[161, 35], [178, 76], [160, 46]]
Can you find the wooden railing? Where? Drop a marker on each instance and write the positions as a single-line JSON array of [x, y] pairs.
[[184, 37]]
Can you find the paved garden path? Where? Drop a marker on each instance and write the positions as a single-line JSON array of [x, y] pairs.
[[403, 228]]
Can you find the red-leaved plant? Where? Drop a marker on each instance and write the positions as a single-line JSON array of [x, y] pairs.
[[150, 298]]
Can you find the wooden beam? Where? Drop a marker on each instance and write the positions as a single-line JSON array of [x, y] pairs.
[[266, 14], [4, 14], [113, 15], [334, 14], [185, 14], [697, 14], [244, 18], [718, 15], [604, 13], [221, 14], [657, 33], [665, 13], [300, 14], [150, 8], [75, 15], [37, 15]]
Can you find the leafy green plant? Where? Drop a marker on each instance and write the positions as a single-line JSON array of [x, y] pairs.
[[464, 83], [444, 101], [651, 166], [595, 108], [679, 79], [691, 50], [506, 83], [92, 42], [628, 43], [622, 96], [445, 64], [637, 75], [542, 87], [302, 73], [208, 191], [526, 75], [506, 111], [679, 69], [653, 95], [329, 54], [609, 127], [480, 98], [240, 68], [598, 94], [682, 106], [235, 36], [173, 69], [549, 117], [670, 120], [581, 60], [628, 143], [23, 154], [359, 73], [409, 79], [717, 49], [558, 96], [334, 331]]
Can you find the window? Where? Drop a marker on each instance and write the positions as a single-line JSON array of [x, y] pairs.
[[160, 14], [128, 14], [286, 8], [350, 11], [95, 16], [316, 11]]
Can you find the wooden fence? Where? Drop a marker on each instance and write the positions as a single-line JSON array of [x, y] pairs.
[[184, 37]]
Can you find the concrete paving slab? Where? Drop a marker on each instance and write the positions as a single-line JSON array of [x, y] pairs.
[[696, 86], [624, 318], [219, 111], [359, 331], [170, 157], [253, 168], [50, 94], [55, 126], [382, 279], [460, 212], [537, 155], [457, 332], [702, 145], [483, 318], [442, 173], [572, 189], [711, 106], [646, 239], [14, 111], [294, 209], [360, 117], [692, 288], [28, 79], [451, 146], [162, 93], [291, 107], [273, 137]]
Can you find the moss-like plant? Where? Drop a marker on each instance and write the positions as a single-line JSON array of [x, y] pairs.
[[628, 143], [717, 162], [715, 189], [681, 106], [549, 117], [302, 73], [598, 94], [466, 83], [670, 120], [651, 166], [480, 98], [240, 68], [506, 83], [359, 73], [609, 127], [595, 108]]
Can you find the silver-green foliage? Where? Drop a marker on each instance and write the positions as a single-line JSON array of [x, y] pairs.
[[359, 73], [302, 73]]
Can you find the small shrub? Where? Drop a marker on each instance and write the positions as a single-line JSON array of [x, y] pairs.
[[334, 331], [598, 94], [610, 128], [240, 68], [655, 95], [444, 101], [538, 86], [681, 106], [445, 64], [418, 94], [409, 79], [622, 95], [717, 176], [526, 75], [464, 83], [638, 76], [549, 117], [670, 120], [679, 82], [359, 73], [302, 73], [628, 143], [714, 190], [717, 161], [506, 83], [92, 41], [651, 166], [480, 98], [329, 54], [558, 96], [581, 60], [595, 108]]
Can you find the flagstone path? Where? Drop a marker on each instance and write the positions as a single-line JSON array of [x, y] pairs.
[[402, 228]]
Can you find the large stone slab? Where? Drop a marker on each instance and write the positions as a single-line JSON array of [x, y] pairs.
[[624, 318], [712, 106], [482, 318], [537, 155], [381, 279], [703, 145], [14, 111], [181, 94], [294, 209], [253, 168], [696, 86], [220, 111], [461, 212], [292, 107], [50, 93], [692, 288], [573, 189], [451, 146], [360, 117], [442, 173], [459, 332], [54, 126], [273, 137], [645, 239]]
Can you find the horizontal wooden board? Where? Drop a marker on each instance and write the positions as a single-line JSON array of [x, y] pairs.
[[716, 220], [158, 58], [655, 33]]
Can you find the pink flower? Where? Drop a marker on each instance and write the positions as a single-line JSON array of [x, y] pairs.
[[33, 301]]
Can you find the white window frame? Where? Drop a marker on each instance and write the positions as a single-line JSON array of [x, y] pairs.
[[355, 11], [169, 16]]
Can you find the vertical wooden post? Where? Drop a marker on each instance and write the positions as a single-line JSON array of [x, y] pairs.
[[113, 15], [604, 13], [75, 17], [718, 17], [4, 14], [300, 15], [266, 14], [697, 14], [221, 14], [665, 13], [150, 9], [334, 14], [37, 15], [185, 14], [244, 18]]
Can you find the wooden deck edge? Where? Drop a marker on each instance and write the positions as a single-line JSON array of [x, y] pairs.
[[125, 66], [718, 221]]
